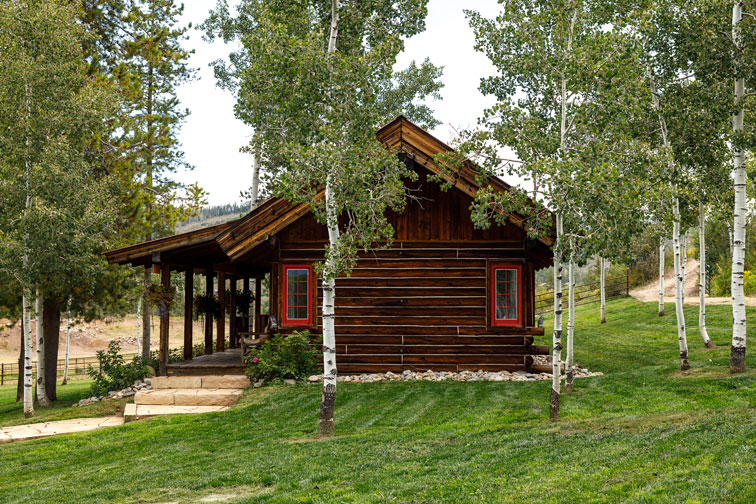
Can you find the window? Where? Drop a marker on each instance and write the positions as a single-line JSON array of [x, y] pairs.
[[297, 295], [506, 294]]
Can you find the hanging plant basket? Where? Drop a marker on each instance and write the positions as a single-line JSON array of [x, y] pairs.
[[243, 300], [207, 305], [160, 296]]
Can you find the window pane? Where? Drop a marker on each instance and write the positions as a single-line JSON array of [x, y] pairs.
[[297, 293], [505, 294]]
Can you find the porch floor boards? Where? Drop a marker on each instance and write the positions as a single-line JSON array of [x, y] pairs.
[[227, 362]]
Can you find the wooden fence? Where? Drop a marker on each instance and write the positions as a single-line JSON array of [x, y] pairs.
[[77, 368], [585, 293]]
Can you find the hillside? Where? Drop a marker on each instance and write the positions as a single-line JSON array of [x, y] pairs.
[[643, 432]]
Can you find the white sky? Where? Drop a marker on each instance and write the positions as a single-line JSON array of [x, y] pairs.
[[212, 136]]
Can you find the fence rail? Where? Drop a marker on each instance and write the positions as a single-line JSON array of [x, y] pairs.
[[585, 294], [77, 368]]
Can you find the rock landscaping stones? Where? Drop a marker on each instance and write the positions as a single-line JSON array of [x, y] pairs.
[[429, 375], [117, 394]]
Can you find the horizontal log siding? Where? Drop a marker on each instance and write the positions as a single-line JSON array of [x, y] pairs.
[[426, 311]]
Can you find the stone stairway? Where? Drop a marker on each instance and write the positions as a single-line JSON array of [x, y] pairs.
[[186, 394]]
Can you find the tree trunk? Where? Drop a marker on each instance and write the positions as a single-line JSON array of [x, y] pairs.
[[683, 261], [20, 381], [42, 398], [146, 314], [569, 366], [662, 247], [738, 350], [328, 399], [702, 277], [681, 337], [138, 328], [556, 355], [255, 179], [28, 366], [602, 281], [68, 341], [51, 328]]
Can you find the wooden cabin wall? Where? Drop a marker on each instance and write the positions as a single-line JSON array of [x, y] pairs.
[[422, 304]]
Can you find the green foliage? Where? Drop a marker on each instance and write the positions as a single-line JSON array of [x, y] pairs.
[[56, 207], [280, 357], [113, 373]]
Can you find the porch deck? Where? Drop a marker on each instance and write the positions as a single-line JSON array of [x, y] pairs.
[[219, 363]]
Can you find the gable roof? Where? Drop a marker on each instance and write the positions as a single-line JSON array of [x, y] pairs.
[[408, 138], [239, 236]]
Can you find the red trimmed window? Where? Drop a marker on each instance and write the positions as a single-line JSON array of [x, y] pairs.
[[297, 294], [506, 294]]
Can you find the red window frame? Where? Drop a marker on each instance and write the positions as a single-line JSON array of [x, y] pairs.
[[492, 294], [285, 295]]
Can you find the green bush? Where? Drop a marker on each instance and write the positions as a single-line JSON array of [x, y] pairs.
[[113, 372], [280, 357]]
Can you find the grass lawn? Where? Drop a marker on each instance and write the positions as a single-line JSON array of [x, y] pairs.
[[642, 433]]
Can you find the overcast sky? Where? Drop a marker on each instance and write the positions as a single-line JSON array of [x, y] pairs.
[[212, 136]]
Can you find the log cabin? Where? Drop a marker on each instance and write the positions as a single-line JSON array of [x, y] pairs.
[[443, 296]]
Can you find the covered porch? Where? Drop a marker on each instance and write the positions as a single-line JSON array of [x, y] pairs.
[[222, 261]]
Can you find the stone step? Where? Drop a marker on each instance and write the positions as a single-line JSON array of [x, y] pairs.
[[140, 411], [205, 381], [188, 397]]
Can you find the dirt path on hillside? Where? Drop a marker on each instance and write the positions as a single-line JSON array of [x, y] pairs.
[[650, 292]]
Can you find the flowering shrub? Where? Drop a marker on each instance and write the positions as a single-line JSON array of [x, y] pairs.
[[280, 357], [113, 373]]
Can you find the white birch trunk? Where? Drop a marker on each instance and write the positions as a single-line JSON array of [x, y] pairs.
[[681, 337], [683, 261], [28, 365], [41, 386], [556, 355], [738, 350], [255, 180], [702, 276], [328, 399], [662, 247], [139, 327], [602, 281], [68, 340], [569, 366]]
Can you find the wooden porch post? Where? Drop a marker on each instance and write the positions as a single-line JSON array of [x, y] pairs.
[[245, 315], [188, 313], [258, 300], [208, 318], [165, 281], [232, 311], [221, 337]]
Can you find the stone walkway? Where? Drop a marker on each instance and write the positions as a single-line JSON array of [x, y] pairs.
[[45, 429]]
